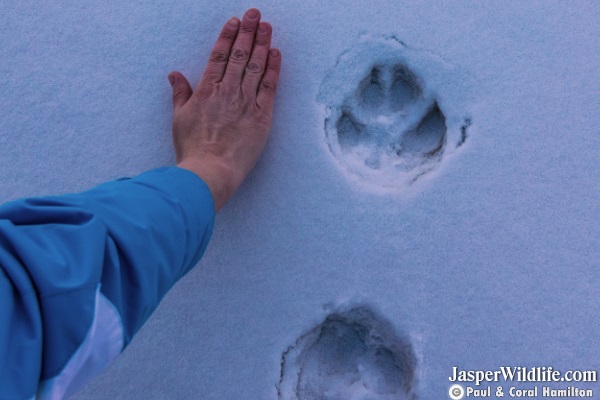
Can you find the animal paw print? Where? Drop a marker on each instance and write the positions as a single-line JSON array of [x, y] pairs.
[[390, 129], [352, 355]]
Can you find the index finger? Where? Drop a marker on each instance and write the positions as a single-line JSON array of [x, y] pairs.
[[219, 56]]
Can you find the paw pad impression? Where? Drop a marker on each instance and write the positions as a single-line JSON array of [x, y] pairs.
[[352, 355], [384, 121]]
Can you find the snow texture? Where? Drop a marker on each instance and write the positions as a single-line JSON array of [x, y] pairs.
[[434, 164]]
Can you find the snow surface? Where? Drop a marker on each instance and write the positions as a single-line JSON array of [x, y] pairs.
[[489, 258]]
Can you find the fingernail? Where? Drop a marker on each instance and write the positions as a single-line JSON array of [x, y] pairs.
[[263, 27], [252, 13], [172, 79], [234, 23], [274, 53]]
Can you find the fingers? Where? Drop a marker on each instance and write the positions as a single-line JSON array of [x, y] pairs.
[[182, 91], [242, 48], [241, 57], [258, 60], [265, 98], [219, 55]]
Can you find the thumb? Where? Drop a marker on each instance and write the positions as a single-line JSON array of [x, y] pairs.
[[182, 90]]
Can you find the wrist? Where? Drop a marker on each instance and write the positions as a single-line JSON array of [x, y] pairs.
[[217, 175]]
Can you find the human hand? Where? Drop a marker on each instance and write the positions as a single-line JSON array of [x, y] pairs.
[[220, 129]]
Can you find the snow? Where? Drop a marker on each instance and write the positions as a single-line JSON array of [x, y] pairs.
[[488, 259]]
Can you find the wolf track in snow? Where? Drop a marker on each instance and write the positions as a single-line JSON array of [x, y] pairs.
[[387, 128], [352, 355]]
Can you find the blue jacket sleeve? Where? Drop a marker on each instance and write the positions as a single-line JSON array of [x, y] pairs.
[[81, 273]]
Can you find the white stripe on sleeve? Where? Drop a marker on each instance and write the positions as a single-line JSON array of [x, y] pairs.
[[103, 343]]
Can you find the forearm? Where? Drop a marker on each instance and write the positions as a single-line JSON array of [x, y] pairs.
[[80, 273]]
